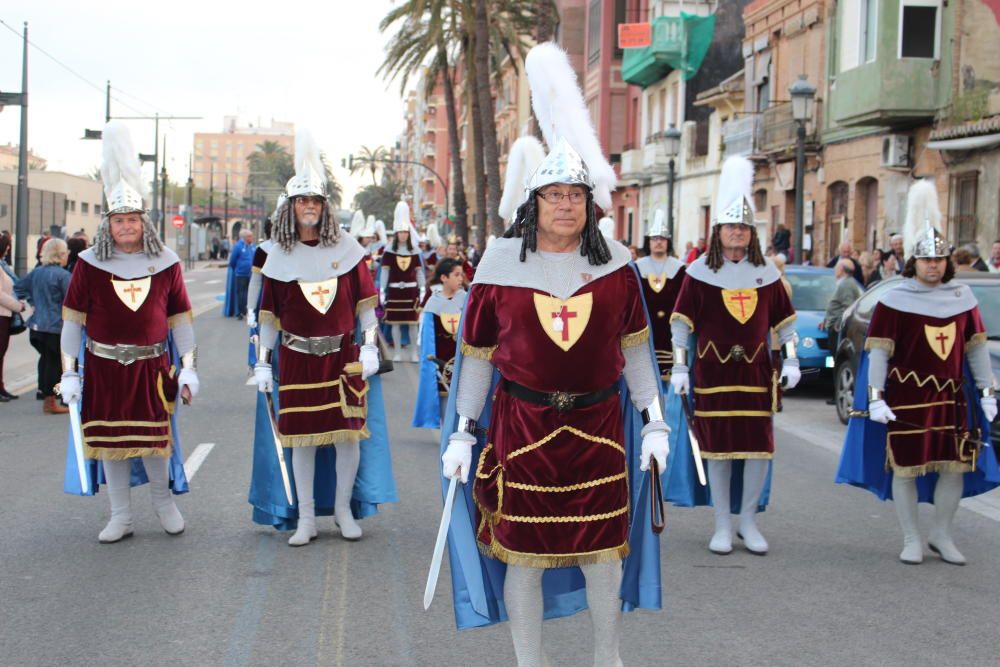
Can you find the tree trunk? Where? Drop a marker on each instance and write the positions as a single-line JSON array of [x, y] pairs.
[[477, 146], [491, 154], [457, 179]]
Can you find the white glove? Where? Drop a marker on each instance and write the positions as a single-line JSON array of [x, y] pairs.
[[655, 444], [264, 377], [188, 378], [790, 375], [381, 298], [879, 412], [369, 361], [457, 458], [989, 404], [680, 382], [71, 389], [251, 318]]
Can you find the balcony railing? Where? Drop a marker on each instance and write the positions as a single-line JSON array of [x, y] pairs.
[[644, 67], [776, 129], [737, 136]]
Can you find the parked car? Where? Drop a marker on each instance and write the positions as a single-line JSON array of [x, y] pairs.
[[812, 289], [985, 286]]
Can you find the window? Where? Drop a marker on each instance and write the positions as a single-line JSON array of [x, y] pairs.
[[72, 205], [619, 19], [965, 198], [869, 30], [594, 32], [97, 209], [760, 200], [919, 28], [701, 138], [84, 208]]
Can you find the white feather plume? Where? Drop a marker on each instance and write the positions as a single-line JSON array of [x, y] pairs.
[[736, 180], [433, 236], [120, 161], [401, 217], [921, 209], [380, 231], [357, 223], [562, 114], [525, 156], [307, 156]]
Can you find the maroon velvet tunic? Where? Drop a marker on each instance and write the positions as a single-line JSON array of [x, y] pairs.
[[735, 383], [125, 410], [551, 488], [661, 295], [445, 346], [323, 400], [401, 305], [924, 387]]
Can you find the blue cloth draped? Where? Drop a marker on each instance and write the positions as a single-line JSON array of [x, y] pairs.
[[863, 458], [427, 411], [477, 581], [230, 307], [95, 469], [373, 485]]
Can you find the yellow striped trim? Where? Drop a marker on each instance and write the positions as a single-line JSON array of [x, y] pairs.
[[724, 359], [921, 405], [255, 269], [116, 424], [314, 385], [125, 438], [497, 551], [366, 303], [70, 315], [875, 343], [976, 340], [359, 394], [723, 389], [636, 338], [310, 408], [912, 375], [788, 320], [123, 453], [564, 489], [683, 318], [575, 431], [267, 317], [187, 317], [484, 353], [353, 368], [326, 438], [732, 413], [565, 519]]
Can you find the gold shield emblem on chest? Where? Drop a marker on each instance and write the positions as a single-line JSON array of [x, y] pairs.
[[941, 339], [564, 321], [320, 295], [657, 282], [449, 322], [132, 293], [403, 263], [741, 303]]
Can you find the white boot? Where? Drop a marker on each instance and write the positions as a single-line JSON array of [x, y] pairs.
[[158, 472], [904, 496], [754, 475], [947, 494], [414, 344], [397, 341], [522, 595], [118, 475], [719, 473], [604, 581], [304, 469], [348, 458]]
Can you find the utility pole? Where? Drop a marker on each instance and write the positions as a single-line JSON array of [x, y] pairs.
[[211, 188], [21, 224], [225, 215], [107, 102], [163, 192], [156, 163], [190, 214]]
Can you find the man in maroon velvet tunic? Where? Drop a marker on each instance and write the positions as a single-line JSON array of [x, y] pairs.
[[921, 334], [731, 299], [403, 283], [315, 285], [128, 291], [662, 276]]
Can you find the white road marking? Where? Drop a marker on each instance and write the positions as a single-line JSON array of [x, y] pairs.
[[213, 282], [196, 458]]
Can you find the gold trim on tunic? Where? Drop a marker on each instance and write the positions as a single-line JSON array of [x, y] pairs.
[[312, 385], [364, 304], [121, 454], [636, 338], [497, 551], [725, 359], [267, 317], [920, 382], [484, 353], [914, 406], [562, 489], [565, 519], [311, 408], [732, 413], [70, 315], [187, 317], [962, 465], [326, 438], [575, 431], [723, 389], [117, 424], [875, 343], [788, 320], [976, 340], [683, 318]]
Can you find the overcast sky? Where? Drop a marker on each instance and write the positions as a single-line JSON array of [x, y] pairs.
[[307, 62]]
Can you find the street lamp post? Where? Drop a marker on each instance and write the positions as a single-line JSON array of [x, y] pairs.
[[803, 93], [672, 147], [21, 221]]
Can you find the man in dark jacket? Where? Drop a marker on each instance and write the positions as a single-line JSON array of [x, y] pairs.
[[241, 262]]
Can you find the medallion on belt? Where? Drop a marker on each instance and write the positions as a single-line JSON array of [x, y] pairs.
[[132, 293], [741, 303], [941, 339], [320, 295], [564, 321]]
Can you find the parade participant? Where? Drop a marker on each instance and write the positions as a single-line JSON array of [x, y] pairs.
[[256, 279], [662, 275], [453, 249], [319, 296], [402, 283], [438, 328], [557, 315], [731, 298], [128, 291], [925, 334]]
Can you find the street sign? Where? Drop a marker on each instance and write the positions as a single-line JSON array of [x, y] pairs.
[[634, 35], [178, 221]]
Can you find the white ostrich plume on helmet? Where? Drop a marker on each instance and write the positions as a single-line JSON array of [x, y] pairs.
[[922, 229], [401, 217], [734, 199], [563, 116], [526, 154], [310, 174], [380, 232], [607, 227], [433, 235], [357, 223], [121, 172]]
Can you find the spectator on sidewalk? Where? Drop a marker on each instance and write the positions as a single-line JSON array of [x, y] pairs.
[[225, 248], [977, 260], [45, 289], [8, 306], [782, 240], [994, 264], [847, 292], [847, 252], [963, 261], [241, 262]]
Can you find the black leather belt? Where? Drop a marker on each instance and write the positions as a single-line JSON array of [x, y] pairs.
[[562, 401]]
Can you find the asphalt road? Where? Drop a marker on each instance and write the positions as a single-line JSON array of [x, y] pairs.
[[229, 592]]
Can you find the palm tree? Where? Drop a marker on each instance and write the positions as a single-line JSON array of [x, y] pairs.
[[370, 159], [270, 165]]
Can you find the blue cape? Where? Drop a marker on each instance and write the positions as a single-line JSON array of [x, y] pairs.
[[95, 469], [229, 307], [863, 459], [427, 411], [680, 481], [477, 581], [374, 484]]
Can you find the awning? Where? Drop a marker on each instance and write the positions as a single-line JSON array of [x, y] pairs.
[[965, 143]]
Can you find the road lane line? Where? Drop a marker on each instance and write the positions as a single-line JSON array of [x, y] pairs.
[[324, 610], [245, 628], [213, 282], [196, 458], [341, 607]]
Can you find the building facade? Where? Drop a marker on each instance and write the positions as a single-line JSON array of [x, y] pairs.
[[217, 154]]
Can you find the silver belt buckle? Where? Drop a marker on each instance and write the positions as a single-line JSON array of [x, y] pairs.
[[126, 354]]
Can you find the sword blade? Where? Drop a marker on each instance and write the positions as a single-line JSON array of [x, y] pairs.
[[77, 429], [278, 449], [699, 466], [442, 539]]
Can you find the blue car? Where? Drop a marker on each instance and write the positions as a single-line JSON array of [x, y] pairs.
[[812, 289]]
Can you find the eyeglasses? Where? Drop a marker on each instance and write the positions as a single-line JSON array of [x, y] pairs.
[[556, 197]]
